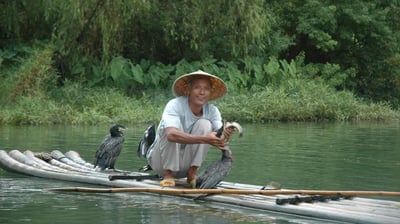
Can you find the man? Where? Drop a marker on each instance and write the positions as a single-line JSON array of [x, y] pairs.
[[187, 128]]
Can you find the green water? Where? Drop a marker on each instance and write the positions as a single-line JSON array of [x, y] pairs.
[[328, 156]]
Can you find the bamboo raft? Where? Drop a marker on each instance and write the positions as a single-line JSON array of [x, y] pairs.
[[344, 206]]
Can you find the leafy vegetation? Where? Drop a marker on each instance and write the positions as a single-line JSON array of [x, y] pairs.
[[86, 62]]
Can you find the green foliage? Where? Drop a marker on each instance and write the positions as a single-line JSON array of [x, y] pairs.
[[354, 44], [302, 101], [22, 21], [29, 110], [34, 76], [359, 36], [369, 43], [298, 92], [135, 78], [223, 29], [74, 104], [318, 24], [79, 58], [89, 35], [274, 72], [104, 105]]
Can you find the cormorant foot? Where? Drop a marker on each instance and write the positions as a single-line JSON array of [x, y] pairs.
[[192, 183]]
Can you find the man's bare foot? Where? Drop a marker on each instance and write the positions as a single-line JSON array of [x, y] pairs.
[[168, 179]]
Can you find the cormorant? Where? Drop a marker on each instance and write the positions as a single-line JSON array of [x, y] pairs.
[[110, 148], [216, 172], [149, 136], [147, 140]]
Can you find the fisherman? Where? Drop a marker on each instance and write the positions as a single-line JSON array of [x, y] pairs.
[[188, 127]]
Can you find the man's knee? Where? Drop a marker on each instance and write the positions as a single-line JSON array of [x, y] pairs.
[[202, 126]]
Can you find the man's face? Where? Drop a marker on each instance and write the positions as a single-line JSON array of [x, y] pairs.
[[200, 91]]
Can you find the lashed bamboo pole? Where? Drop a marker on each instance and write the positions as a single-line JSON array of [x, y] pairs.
[[224, 191]]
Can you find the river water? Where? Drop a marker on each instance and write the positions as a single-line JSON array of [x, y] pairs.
[[319, 156]]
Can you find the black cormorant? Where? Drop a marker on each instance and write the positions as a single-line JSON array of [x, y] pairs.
[[110, 148], [149, 136], [216, 172], [147, 140]]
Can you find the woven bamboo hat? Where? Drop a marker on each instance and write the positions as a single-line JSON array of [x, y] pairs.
[[181, 84]]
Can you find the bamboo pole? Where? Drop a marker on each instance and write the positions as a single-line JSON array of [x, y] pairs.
[[171, 191]]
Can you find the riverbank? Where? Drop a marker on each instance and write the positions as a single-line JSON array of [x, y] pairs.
[[74, 104]]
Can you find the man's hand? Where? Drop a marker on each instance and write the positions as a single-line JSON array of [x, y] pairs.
[[215, 141]]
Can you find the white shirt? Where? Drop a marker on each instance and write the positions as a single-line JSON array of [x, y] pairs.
[[177, 114]]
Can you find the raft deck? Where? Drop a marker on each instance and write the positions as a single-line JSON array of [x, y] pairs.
[[71, 167]]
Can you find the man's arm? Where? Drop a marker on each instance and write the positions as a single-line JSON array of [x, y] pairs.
[[178, 136]]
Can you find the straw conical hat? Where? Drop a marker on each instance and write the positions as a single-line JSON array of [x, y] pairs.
[[181, 84]]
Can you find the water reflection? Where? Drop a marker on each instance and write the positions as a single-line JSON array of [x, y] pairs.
[[41, 206], [329, 156]]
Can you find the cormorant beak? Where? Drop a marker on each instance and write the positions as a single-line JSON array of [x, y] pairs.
[[122, 129]]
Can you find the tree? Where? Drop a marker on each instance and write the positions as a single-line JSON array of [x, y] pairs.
[[360, 35]]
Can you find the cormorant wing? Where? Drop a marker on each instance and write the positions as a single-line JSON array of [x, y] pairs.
[[213, 174], [115, 148], [100, 153], [108, 151]]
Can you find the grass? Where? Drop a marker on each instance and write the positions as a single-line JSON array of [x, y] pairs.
[[77, 105], [310, 102], [86, 107]]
